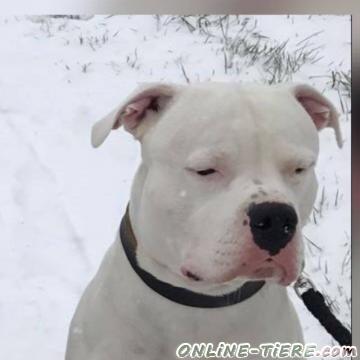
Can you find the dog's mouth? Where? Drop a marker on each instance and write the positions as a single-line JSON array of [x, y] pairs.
[[251, 265], [265, 272], [269, 270]]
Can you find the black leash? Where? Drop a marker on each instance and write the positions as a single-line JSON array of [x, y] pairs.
[[178, 294], [316, 304]]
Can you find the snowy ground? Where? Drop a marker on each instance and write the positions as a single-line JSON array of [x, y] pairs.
[[61, 201]]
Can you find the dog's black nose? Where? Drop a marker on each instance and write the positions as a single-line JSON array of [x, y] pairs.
[[272, 225]]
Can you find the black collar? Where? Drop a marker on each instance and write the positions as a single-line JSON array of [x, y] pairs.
[[177, 294]]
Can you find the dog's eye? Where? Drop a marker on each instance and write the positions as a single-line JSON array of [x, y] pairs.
[[206, 172], [299, 170]]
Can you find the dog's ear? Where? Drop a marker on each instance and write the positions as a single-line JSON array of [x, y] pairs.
[[137, 113], [320, 109]]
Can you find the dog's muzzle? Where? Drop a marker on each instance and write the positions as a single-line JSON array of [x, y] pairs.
[[178, 294]]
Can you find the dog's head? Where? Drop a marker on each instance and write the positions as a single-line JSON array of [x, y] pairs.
[[227, 177]]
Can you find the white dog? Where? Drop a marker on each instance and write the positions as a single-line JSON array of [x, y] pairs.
[[217, 205]]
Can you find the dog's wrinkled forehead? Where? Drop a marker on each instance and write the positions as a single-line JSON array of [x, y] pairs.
[[233, 119]]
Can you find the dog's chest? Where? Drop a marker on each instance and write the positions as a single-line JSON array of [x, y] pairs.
[[160, 324], [161, 332]]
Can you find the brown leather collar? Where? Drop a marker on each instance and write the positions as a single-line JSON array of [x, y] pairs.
[[177, 294]]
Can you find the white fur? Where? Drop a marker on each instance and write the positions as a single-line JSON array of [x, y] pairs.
[[180, 219]]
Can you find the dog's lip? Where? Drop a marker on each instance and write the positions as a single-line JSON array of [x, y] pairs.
[[285, 279], [270, 269], [265, 272]]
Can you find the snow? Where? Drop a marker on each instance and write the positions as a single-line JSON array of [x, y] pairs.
[[61, 201]]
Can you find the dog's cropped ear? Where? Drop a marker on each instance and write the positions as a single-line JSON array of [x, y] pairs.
[[320, 109], [135, 111]]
